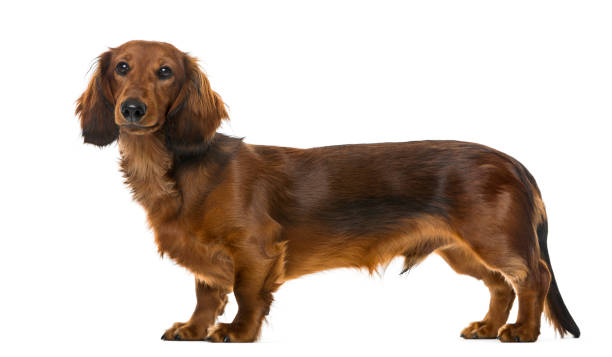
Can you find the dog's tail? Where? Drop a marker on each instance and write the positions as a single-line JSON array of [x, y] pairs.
[[555, 308]]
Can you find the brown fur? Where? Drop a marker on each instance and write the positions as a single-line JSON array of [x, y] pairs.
[[246, 218]]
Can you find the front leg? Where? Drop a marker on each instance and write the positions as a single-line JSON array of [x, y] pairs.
[[253, 305], [253, 288], [211, 303]]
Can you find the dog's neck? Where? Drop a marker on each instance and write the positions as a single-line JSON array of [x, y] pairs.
[[145, 163], [153, 171]]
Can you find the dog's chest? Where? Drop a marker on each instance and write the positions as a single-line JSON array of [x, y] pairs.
[[210, 262]]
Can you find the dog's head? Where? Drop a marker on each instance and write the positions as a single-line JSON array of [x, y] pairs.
[[144, 87]]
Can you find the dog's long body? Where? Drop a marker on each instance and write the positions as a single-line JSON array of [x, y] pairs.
[[246, 218]]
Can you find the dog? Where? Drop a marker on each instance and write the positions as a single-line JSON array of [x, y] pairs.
[[246, 218]]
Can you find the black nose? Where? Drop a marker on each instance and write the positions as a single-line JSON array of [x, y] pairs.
[[133, 110]]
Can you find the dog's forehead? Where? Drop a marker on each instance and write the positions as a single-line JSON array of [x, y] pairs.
[[147, 52]]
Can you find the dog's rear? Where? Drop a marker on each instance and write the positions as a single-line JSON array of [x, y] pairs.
[[554, 307]]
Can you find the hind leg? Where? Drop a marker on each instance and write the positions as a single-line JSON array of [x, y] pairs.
[[502, 295], [514, 253], [531, 293]]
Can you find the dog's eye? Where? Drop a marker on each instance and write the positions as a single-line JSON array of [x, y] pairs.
[[122, 68], [164, 72]]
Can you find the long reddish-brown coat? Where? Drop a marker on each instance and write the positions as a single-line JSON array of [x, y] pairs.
[[246, 218]]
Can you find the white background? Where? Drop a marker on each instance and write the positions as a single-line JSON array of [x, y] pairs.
[[80, 275]]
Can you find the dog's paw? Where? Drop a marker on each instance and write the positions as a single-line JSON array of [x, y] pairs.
[[480, 330], [517, 333], [228, 333], [220, 333], [184, 331]]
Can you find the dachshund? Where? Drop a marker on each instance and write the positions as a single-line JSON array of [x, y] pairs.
[[246, 218]]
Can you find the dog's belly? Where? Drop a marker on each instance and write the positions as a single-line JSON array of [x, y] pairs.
[[310, 250]]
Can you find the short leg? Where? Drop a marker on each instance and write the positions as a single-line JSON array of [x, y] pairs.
[[211, 303], [531, 293], [502, 294], [513, 253], [253, 305], [255, 281]]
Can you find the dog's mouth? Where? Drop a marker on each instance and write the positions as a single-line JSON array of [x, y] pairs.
[[139, 129]]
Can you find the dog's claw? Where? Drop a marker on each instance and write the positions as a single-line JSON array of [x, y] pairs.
[[517, 339], [163, 336], [226, 339], [462, 336], [177, 337], [208, 339], [475, 336]]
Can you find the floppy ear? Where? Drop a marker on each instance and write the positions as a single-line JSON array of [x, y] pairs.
[[95, 108], [196, 113]]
